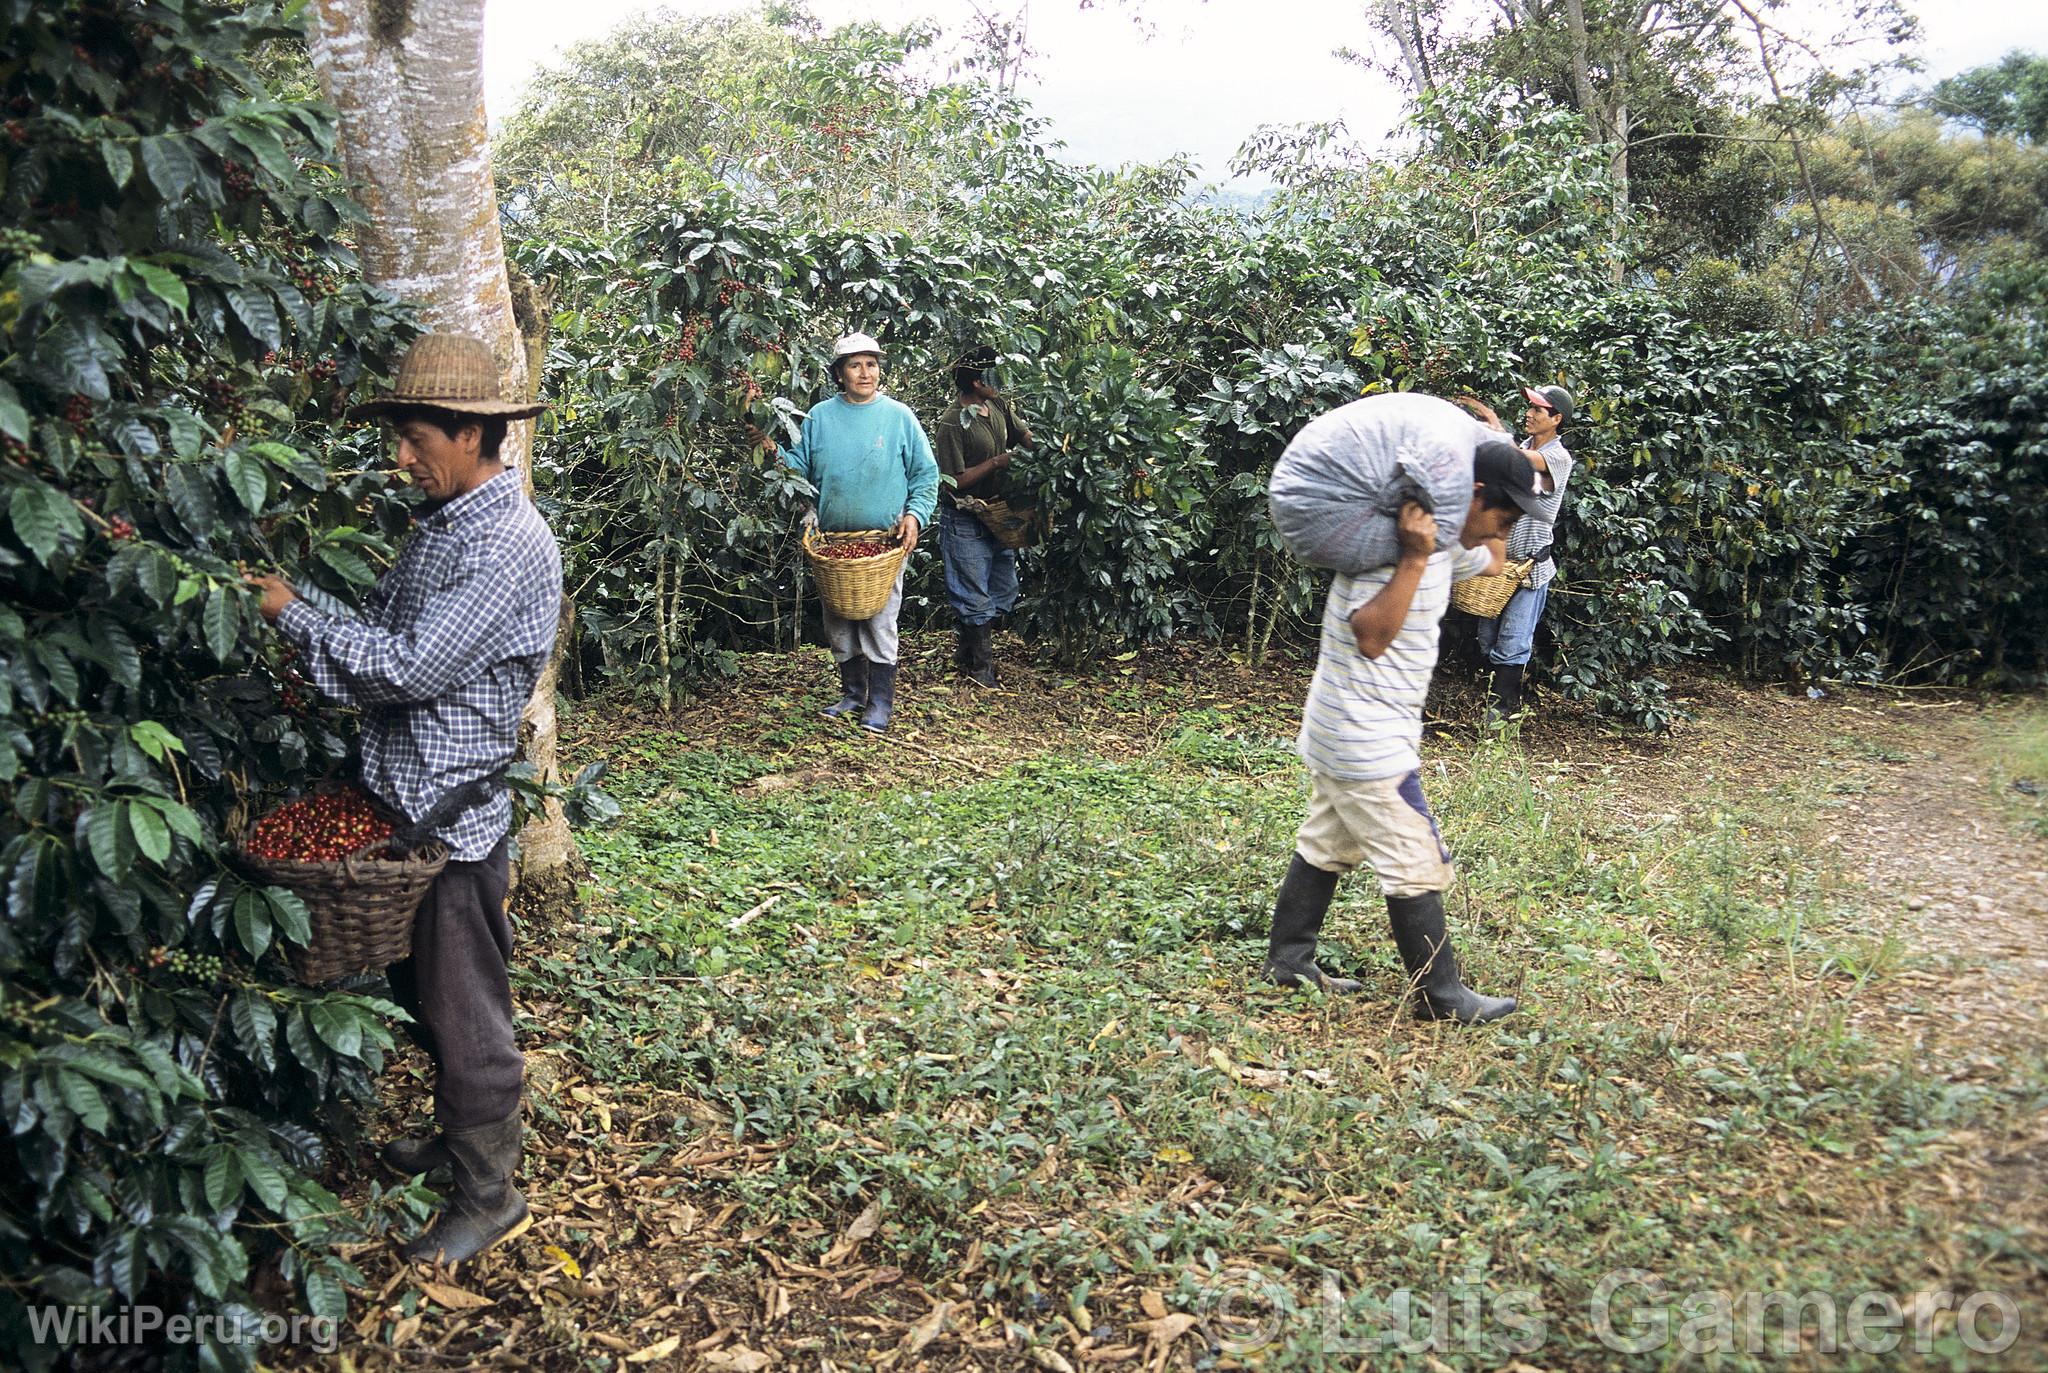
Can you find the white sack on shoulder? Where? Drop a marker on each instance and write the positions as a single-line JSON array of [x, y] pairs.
[[1339, 486]]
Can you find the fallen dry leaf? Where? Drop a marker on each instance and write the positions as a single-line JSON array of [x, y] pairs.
[[1167, 1329], [454, 1298], [740, 1360], [660, 1349], [1153, 1304], [1050, 1359], [563, 1257], [926, 1330], [864, 1225]]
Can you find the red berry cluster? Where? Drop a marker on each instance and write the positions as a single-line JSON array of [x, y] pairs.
[[686, 350], [78, 414], [222, 396], [237, 178], [17, 452], [120, 528], [860, 548], [729, 291], [325, 369], [318, 829], [313, 283]]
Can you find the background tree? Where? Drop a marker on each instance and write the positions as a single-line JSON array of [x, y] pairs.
[[1913, 214], [2010, 97], [1661, 84], [836, 127]]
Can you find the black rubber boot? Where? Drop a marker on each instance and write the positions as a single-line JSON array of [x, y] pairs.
[[415, 1156], [1441, 994], [881, 697], [963, 650], [1297, 919], [981, 654], [1504, 692], [853, 688], [484, 1208]]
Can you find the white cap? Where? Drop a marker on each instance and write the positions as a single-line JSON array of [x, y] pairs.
[[855, 343]]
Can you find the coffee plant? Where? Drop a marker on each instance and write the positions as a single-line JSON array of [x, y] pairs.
[[1742, 493], [181, 324]]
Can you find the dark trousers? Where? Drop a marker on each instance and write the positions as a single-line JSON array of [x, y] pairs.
[[458, 986]]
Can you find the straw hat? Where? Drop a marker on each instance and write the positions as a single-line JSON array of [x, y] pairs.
[[448, 372]]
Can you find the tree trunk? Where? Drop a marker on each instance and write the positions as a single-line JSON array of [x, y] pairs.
[[1607, 120], [407, 79], [1582, 64], [1401, 20]]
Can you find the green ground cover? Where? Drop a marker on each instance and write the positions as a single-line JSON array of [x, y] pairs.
[[1008, 1012]]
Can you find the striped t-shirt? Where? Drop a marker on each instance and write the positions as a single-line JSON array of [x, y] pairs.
[[1533, 533], [1363, 720]]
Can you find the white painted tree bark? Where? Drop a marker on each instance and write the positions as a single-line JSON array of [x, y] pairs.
[[407, 77]]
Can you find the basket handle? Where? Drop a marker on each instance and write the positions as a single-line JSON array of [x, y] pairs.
[[407, 837]]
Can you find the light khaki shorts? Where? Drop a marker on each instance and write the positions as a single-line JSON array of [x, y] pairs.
[[1384, 825]]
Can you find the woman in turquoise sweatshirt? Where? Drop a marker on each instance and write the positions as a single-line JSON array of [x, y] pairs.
[[873, 469]]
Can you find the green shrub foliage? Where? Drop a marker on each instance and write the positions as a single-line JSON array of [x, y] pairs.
[[1743, 493], [180, 322]]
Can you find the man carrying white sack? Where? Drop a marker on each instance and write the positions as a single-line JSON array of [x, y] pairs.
[[1361, 729]]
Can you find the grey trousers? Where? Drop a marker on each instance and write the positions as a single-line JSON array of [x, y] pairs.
[[873, 639], [458, 986]]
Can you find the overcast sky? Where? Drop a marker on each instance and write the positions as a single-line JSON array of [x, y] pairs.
[[1203, 77]]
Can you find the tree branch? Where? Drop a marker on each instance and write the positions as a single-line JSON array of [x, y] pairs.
[[1820, 219]]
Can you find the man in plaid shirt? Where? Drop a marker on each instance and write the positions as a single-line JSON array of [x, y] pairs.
[[442, 666]]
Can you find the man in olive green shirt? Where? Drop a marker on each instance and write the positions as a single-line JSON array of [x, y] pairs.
[[972, 442]]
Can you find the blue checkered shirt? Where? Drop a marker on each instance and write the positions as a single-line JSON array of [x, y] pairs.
[[454, 638]]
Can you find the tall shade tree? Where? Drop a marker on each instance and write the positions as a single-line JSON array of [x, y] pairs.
[[407, 78], [1660, 82], [2010, 98]]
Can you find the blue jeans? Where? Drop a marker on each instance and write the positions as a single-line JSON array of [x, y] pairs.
[[981, 574], [1510, 639]]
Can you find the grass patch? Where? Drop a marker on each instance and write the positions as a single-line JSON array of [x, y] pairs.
[[1019, 1013], [2015, 754]]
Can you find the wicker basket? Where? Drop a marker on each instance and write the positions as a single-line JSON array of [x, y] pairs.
[[1487, 597], [1011, 528], [360, 908], [854, 588]]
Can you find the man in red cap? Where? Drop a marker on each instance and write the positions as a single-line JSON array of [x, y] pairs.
[[1509, 640]]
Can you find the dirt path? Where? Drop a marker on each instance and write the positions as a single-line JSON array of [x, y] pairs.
[[1952, 885], [1967, 890]]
